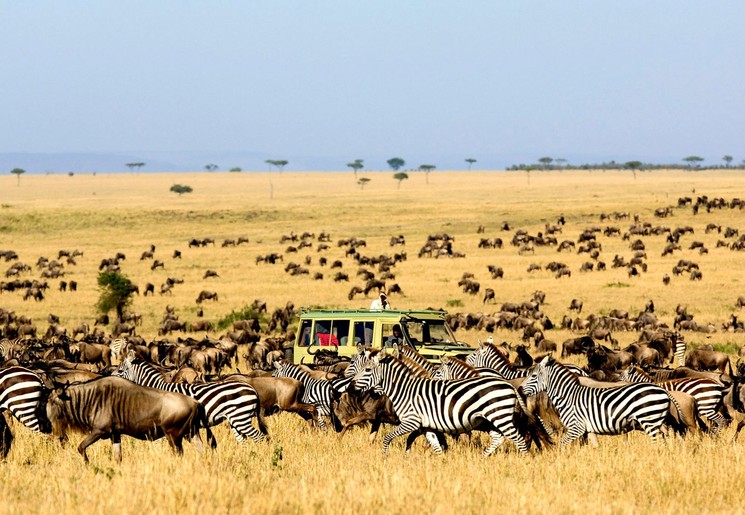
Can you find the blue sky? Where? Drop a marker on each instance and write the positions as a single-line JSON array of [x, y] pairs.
[[322, 83]]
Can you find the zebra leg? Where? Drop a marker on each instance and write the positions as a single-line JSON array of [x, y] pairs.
[[592, 439], [496, 440], [573, 432], [407, 426], [434, 441]]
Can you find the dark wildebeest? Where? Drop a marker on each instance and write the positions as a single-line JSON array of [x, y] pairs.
[[111, 407], [206, 295], [489, 295], [576, 305], [576, 345], [706, 360]]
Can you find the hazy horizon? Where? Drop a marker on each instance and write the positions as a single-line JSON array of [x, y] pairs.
[[179, 85]]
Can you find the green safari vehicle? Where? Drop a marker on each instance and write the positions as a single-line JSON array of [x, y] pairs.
[[342, 330]]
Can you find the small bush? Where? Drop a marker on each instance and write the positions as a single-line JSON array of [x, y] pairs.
[[454, 303], [246, 313], [618, 284], [181, 189]]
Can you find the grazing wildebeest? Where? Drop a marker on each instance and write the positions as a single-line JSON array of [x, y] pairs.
[[576, 346], [111, 407], [489, 295], [206, 295], [576, 305]]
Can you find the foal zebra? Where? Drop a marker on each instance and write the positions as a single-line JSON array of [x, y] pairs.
[[607, 411], [452, 407], [238, 403], [709, 394]]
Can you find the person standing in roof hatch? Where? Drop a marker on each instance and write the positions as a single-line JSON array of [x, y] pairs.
[[381, 302]]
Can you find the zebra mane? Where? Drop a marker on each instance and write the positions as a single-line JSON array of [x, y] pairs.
[[412, 354], [468, 370], [414, 368], [498, 352]]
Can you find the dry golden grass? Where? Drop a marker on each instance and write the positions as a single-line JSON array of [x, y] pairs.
[[105, 214]]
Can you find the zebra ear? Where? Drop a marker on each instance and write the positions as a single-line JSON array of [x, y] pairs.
[[131, 355], [395, 352], [360, 348], [277, 364], [546, 360]]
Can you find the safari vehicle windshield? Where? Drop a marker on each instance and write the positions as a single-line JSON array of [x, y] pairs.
[[428, 332]]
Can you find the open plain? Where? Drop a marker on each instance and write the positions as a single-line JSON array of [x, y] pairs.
[[306, 470]]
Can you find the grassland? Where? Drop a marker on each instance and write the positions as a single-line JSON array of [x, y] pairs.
[[105, 214]]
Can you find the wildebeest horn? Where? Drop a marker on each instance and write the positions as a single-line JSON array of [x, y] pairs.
[[302, 360], [311, 353]]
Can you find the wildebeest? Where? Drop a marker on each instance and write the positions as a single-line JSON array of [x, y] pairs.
[[576, 346], [576, 305], [706, 360], [206, 295], [111, 407]]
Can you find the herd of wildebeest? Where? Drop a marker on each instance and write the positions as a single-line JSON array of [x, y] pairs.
[[80, 357]]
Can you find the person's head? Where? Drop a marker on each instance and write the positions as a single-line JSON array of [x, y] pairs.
[[397, 330]]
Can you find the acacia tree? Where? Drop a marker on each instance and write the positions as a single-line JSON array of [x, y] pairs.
[[181, 189], [362, 181], [728, 160], [279, 163], [396, 163], [426, 169], [132, 166], [356, 165], [18, 172], [115, 293], [693, 161], [546, 162], [211, 167], [470, 162], [633, 166], [400, 177]]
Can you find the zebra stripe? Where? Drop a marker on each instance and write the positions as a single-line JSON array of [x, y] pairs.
[[453, 407], [317, 391], [709, 394], [679, 348], [236, 402], [608, 411], [20, 393]]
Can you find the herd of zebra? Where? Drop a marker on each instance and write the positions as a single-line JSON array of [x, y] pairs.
[[486, 392]]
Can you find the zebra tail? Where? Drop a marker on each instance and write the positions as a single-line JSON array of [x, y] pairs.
[[260, 418], [6, 438], [206, 425]]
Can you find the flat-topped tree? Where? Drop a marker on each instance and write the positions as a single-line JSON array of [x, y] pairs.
[[210, 167], [362, 181], [426, 169], [356, 165], [279, 163], [693, 161], [18, 172], [400, 177], [633, 166], [470, 162]]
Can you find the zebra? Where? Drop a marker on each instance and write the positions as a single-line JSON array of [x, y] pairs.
[[679, 348], [452, 407], [488, 356], [317, 391], [708, 393], [587, 410], [236, 402], [411, 353], [22, 393]]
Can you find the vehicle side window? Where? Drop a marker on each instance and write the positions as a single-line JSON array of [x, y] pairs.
[[304, 340], [363, 333], [328, 333]]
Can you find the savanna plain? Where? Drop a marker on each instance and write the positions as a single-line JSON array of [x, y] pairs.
[[306, 470]]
